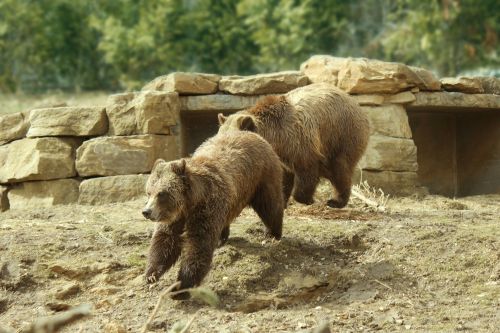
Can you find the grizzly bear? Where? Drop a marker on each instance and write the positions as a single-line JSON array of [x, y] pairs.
[[195, 199], [316, 130]]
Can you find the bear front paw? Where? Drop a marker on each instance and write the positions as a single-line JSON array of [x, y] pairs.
[[154, 273]]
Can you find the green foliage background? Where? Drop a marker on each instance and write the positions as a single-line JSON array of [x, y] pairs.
[[120, 44]]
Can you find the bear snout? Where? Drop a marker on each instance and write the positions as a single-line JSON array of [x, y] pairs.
[[147, 213]]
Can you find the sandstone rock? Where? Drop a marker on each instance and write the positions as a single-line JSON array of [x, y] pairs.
[[390, 120], [68, 121], [391, 182], [463, 84], [424, 100], [389, 154], [13, 126], [146, 112], [373, 76], [102, 190], [156, 112], [4, 201], [120, 114], [428, 81], [217, 102], [37, 159], [323, 68], [185, 83], [110, 156], [369, 99], [271, 83], [491, 85], [67, 291], [404, 97], [44, 193], [366, 76]]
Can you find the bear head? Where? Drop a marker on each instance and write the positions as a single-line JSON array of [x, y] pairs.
[[166, 189], [236, 122]]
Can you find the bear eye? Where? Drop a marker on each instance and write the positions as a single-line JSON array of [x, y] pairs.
[[163, 195]]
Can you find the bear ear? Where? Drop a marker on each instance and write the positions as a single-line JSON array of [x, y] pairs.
[[246, 123], [157, 162], [179, 167], [222, 119]]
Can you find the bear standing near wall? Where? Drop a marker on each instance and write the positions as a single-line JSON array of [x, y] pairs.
[[195, 200], [316, 130]]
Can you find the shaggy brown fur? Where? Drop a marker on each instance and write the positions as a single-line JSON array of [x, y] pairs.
[[316, 130], [197, 198]]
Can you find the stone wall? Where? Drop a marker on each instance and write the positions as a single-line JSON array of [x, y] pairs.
[[102, 154]]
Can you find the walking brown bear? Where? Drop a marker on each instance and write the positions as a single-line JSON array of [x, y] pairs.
[[195, 200], [316, 130]]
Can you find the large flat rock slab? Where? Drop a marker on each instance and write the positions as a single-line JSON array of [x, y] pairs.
[[368, 76], [491, 85], [102, 190], [145, 112], [68, 121], [468, 85], [44, 193], [13, 126], [455, 100], [390, 154], [185, 83], [270, 83], [218, 102], [390, 120], [38, 159], [111, 156]]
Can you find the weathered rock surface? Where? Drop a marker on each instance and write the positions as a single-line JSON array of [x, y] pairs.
[[390, 120], [390, 154], [271, 83], [404, 97], [395, 183], [473, 102], [120, 114], [111, 156], [4, 201], [468, 85], [146, 112], [68, 121], [13, 126], [366, 76], [38, 159], [219, 102], [102, 190], [44, 193], [185, 83], [428, 81], [491, 85], [369, 99]]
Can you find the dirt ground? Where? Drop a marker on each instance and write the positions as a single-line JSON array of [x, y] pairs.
[[429, 264]]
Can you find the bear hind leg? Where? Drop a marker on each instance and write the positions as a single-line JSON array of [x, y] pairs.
[[268, 203], [341, 179], [306, 181]]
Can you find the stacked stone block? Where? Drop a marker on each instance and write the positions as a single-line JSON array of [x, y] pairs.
[[66, 155]]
